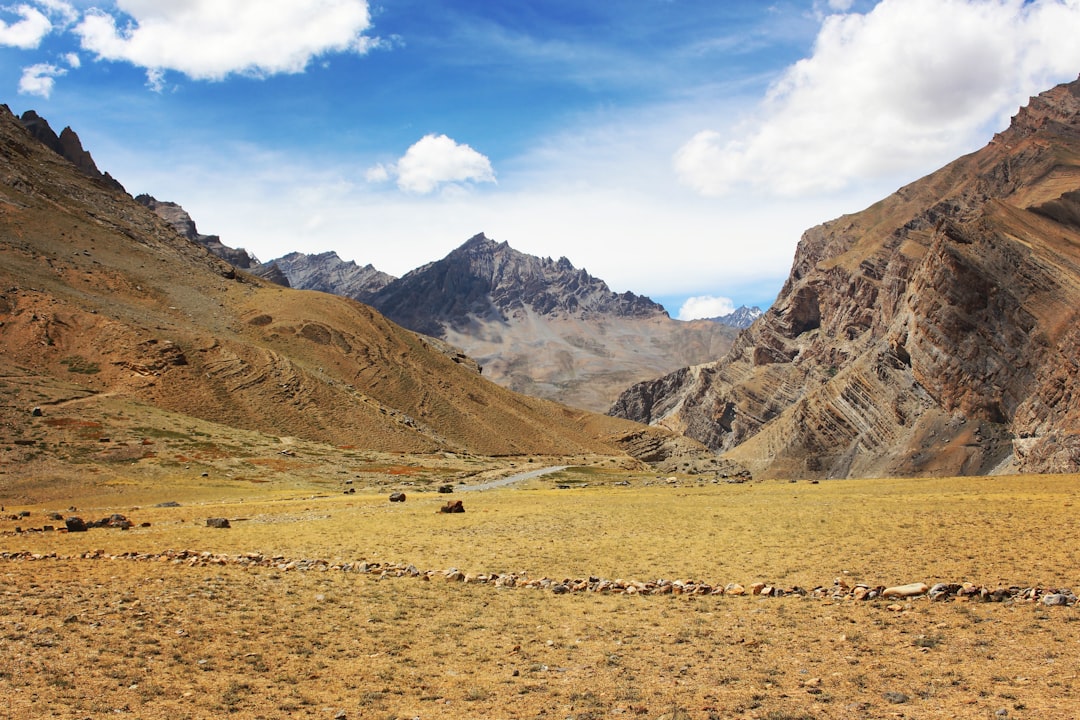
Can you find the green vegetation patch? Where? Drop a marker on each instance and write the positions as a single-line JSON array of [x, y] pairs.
[[79, 364]]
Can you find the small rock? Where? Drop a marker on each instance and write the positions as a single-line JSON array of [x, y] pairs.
[[897, 698], [906, 591], [217, 522], [397, 497], [36, 412], [1055, 599], [75, 524]]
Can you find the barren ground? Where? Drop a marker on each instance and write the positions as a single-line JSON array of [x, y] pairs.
[[156, 638]]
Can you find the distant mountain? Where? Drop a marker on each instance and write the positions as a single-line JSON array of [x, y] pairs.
[[327, 272], [935, 333], [486, 279], [742, 318], [542, 326]]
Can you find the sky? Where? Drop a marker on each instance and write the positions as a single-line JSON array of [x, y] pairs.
[[674, 148]]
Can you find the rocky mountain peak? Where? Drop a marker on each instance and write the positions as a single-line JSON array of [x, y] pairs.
[[487, 279], [67, 145]]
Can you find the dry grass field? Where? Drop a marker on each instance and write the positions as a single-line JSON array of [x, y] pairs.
[[152, 638]]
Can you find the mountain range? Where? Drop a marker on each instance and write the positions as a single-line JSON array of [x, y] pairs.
[[538, 326], [935, 332], [116, 329]]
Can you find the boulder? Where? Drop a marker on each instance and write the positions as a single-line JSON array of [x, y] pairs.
[[397, 497], [217, 522], [452, 506], [75, 524]]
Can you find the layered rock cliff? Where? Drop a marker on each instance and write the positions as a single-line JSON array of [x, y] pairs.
[[933, 333]]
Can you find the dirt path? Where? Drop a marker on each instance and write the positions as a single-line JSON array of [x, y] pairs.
[[519, 477]]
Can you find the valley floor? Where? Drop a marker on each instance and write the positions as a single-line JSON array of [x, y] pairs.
[[87, 629]]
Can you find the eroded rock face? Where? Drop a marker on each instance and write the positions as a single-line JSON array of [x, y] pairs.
[[179, 218], [934, 332]]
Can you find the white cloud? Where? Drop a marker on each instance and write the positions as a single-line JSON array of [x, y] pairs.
[[72, 59], [706, 307], [39, 79], [211, 39], [27, 32], [432, 162], [898, 90]]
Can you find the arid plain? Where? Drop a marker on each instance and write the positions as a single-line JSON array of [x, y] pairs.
[[276, 616]]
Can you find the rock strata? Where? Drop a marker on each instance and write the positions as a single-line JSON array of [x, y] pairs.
[[934, 333]]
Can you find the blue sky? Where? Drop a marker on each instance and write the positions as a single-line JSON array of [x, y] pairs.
[[674, 148]]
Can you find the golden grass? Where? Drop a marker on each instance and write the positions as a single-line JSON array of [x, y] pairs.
[[88, 637]]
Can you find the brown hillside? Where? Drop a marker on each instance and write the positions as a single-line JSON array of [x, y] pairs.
[[101, 300], [933, 333]]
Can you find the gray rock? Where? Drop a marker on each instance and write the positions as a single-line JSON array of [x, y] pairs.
[[217, 522], [897, 698]]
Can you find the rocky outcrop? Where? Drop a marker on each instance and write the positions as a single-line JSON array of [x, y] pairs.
[[933, 333], [179, 218], [68, 145]]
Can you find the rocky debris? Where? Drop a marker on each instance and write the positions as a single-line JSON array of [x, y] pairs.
[[446, 489], [452, 506], [397, 497], [217, 522], [839, 591]]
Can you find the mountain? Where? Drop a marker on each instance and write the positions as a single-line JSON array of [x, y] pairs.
[[543, 327], [327, 272], [741, 318], [117, 327], [935, 332]]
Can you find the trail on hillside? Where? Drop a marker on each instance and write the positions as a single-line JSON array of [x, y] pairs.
[[519, 477]]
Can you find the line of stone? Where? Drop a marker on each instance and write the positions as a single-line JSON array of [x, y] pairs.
[[840, 589]]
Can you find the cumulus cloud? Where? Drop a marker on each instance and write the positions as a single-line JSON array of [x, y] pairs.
[[39, 79], [73, 60], [899, 89], [27, 32], [706, 306], [211, 39], [432, 162]]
